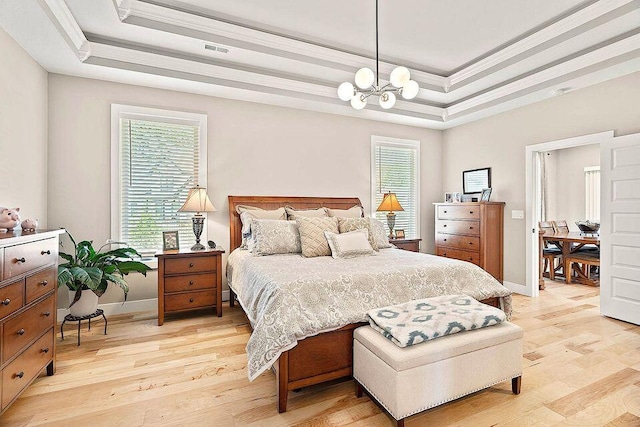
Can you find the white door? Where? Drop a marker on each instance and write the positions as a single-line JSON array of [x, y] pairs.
[[620, 229]]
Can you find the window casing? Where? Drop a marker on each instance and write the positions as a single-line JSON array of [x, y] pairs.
[[395, 167], [157, 156]]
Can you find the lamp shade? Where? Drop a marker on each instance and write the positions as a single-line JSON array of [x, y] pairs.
[[390, 203], [197, 201]]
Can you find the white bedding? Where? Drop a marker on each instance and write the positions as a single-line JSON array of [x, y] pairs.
[[288, 297]]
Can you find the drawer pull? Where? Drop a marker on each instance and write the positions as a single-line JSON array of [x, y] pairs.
[[190, 299], [471, 212], [47, 313], [191, 282], [470, 258], [445, 211], [6, 302], [471, 243], [445, 240], [47, 252], [44, 282], [22, 260], [444, 254], [444, 225], [21, 331], [470, 228], [19, 375], [190, 264], [45, 350]]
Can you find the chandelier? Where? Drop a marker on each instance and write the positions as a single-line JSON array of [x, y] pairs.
[[400, 83]]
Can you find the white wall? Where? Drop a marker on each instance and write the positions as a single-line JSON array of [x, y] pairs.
[[499, 142], [253, 149], [23, 132]]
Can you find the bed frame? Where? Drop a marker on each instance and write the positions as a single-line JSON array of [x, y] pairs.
[[325, 356]]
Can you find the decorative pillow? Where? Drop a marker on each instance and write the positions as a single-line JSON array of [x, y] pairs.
[[292, 213], [379, 234], [249, 213], [314, 243], [349, 245], [346, 225], [427, 319], [354, 212], [271, 236]]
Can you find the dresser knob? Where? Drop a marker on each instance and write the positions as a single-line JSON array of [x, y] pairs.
[[21, 331], [190, 299], [44, 282], [445, 240], [471, 212], [45, 350], [6, 302], [19, 375], [470, 258], [47, 313], [471, 243], [191, 282], [470, 228], [444, 225], [445, 211], [444, 254], [190, 264], [22, 260], [45, 252]]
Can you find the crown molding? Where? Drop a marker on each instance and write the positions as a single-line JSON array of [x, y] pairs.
[[59, 13]]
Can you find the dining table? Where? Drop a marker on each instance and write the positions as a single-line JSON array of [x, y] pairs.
[[568, 243]]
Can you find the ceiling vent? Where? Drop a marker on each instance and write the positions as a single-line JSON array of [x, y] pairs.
[[215, 48]]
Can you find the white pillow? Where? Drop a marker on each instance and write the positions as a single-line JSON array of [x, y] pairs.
[[349, 245], [272, 236], [249, 213], [293, 213], [354, 212], [380, 234]]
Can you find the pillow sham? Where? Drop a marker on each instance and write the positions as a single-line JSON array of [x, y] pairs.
[[272, 236], [346, 225], [314, 243], [380, 234], [293, 213], [354, 212], [249, 213], [349, 245]]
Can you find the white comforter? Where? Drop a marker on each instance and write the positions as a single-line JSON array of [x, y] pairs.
[[288, 297]]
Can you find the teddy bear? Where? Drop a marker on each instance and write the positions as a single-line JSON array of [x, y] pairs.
[[9, 218]]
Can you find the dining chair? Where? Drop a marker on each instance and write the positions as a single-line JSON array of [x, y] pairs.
[[560, 226], [550, 253]]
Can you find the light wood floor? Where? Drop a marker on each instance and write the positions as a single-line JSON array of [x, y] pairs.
[[579, 369]]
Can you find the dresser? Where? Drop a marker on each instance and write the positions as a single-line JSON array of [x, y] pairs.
[[412, 245], [28, 282], [472, 232], [189, 280]]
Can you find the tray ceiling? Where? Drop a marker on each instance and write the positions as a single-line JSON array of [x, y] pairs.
[[472, 58]]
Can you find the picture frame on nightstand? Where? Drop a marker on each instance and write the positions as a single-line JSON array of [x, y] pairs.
[[399, 234], [170, 240]]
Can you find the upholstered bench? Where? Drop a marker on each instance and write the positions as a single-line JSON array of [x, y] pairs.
[[409, 380]]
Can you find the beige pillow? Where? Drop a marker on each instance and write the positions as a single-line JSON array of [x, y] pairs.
[[380, 234], [354, 212], [349, 245], [271, 237], [346, 225], [314, 243], [293, 213], [249, 213]]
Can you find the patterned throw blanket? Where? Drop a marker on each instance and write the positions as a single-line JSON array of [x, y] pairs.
[[427, 319]]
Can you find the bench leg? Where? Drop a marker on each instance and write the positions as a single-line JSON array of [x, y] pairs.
[[516, 384], [358, 389]]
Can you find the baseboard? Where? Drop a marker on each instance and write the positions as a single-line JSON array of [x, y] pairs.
[[515, 287], [150, 304]]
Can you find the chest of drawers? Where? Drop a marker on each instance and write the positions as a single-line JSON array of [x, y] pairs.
[[471, 232], [189, 280], [28, 279]]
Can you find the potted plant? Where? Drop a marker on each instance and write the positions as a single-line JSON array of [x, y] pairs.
[[88, 272]]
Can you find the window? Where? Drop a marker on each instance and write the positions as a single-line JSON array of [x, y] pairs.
[[395, 168], [157, 156], [592, 193]]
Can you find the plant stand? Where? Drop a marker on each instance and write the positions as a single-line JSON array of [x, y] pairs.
[[79, 319]]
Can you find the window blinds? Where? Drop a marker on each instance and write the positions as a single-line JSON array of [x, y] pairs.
[[158, 164], [592, 193], [395, 170]]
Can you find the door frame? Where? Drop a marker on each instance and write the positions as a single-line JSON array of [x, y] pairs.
[[532, 203]]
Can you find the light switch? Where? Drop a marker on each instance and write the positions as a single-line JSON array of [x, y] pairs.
[[517, 214]]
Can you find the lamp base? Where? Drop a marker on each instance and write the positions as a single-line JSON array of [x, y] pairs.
[[198, 225], [198, 247], [391, 222]]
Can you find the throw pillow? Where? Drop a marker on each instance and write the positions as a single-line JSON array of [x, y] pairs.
[[314, 243], [349, 245], [346, 225], [380, 234], [292, 213], [272, 237]]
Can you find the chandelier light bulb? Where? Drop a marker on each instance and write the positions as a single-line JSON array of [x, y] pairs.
[[410, 89], [400, 76], [387, 100], [364, 78], [346, 91], [358, 101]]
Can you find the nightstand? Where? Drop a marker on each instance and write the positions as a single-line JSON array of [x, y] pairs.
[[189, 280], [412, 245]]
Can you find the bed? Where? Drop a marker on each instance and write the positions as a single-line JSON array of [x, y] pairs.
[[304, 310]]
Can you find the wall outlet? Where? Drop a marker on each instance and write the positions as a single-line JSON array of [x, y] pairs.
[[517, 214]]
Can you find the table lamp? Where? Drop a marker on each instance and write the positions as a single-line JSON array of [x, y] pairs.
[[390, 203], [197, 201]]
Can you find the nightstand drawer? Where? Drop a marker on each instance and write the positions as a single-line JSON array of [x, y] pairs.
[[11, 297], [458, 227], [20, 259], [189, 300], [192, 264], [24, 328], [472, 257], [40, 284], [458, 212], [469, 243], [190, 282]]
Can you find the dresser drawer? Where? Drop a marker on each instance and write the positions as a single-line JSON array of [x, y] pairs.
[[458, 212], [188, 301], [20, 259], [455, 241], [190, 282], [11, 298], [26, 367], [24, 328], [40, 283], [193, 264], [458, 227], [472, 257]]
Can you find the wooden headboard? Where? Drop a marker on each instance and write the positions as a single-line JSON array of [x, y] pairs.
[[275, 202]]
